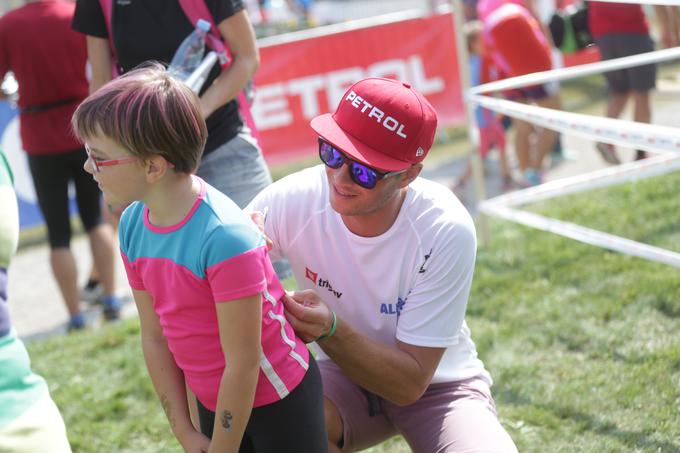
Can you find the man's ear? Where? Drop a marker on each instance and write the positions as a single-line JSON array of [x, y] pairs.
[[156, 167], [410, 175]]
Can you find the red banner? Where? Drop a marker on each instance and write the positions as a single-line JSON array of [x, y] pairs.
[[304, 78]]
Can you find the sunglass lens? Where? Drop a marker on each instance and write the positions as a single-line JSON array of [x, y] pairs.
[[330, 156], [364, 176]]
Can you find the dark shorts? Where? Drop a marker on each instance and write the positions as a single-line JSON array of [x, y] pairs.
[[450, 417], [51, 176], [532, 93], [294, 424], [639, 78]]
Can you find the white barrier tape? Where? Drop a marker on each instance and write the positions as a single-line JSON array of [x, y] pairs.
[[631, 171], [643, 2], [586, 235], [649, 137], [539, 78]]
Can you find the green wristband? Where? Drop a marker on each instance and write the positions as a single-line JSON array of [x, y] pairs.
[[332, 331]]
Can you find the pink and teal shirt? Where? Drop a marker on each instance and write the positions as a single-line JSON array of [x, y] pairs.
[[214, 255]]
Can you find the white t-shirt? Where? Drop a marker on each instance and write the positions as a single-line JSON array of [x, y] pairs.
[[411, 283]]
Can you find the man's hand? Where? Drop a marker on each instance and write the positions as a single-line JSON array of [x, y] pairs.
[[308, 314], [194, 442]]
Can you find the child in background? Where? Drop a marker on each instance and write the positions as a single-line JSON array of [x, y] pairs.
[[517, 45], [209, 301], [491, 132]]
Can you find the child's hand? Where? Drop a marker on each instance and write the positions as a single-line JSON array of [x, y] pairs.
[[194, 442]]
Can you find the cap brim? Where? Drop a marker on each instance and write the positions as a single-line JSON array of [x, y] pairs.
[[328, 129]]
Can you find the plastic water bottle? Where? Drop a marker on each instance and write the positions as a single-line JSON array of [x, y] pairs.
[[189, 54]]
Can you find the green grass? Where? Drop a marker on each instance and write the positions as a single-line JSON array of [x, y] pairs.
[[583, 343]]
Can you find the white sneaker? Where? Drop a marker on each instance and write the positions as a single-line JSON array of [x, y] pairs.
[[91, 293]]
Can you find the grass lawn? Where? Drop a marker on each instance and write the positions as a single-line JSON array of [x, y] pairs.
[[583, 343]]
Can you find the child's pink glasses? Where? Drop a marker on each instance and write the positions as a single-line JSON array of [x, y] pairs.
[[98, 163]]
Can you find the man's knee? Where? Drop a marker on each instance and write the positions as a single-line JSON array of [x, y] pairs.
[[334, 425]]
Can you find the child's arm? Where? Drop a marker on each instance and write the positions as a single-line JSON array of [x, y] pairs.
[[240, 324], [167, 378]]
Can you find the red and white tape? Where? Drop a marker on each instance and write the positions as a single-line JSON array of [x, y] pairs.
[[539, 78], [502, 206], [644, 2], [606, 177], [586, 235], [649, 137]]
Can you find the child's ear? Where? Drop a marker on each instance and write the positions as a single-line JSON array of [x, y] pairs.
[[156, 167]]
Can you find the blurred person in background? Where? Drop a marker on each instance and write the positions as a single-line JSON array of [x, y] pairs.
[[491, 132], [621, 30], [148, 30], [519, 46], [29, 420], [153, 30], [48, 61]]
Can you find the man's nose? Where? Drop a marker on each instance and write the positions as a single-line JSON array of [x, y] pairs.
[[344, 173]]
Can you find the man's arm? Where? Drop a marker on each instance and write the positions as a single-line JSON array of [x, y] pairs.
[[240, 324], [400, 374], [238, 33], [167, 378], [99, 54], [429, 322]]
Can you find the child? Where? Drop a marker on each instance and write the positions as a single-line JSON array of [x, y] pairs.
[[491, 132], [517, 45], [208, 299]]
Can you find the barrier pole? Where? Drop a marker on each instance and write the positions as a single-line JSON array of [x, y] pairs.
[[463, 57]]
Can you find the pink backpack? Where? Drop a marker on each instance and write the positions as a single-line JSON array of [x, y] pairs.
[[194, 10]]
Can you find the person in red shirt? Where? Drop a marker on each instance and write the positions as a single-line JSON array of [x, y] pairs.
[[48, 61], [519, 46], [621, 30]]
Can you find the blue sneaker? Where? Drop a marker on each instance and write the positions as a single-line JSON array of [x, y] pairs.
[[77, 322], [531, 177], [111, 306]]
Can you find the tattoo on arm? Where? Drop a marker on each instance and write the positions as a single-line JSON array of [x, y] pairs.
[[165, 402], [226, 419]]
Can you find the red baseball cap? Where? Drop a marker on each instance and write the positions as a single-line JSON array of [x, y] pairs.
[[382, 123]]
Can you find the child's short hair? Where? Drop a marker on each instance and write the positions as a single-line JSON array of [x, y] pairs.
[[472, 30], [149, 113]]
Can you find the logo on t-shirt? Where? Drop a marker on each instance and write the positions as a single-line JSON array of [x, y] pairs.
[[393, 309], [422, 269], [320, 282], [311, 275]]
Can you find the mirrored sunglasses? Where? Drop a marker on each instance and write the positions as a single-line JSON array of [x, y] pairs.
[[361, 174]]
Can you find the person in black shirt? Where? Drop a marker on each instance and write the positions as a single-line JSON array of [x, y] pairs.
[[145, 30]]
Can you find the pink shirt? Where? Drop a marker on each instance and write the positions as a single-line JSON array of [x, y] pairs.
[[214, 255]]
